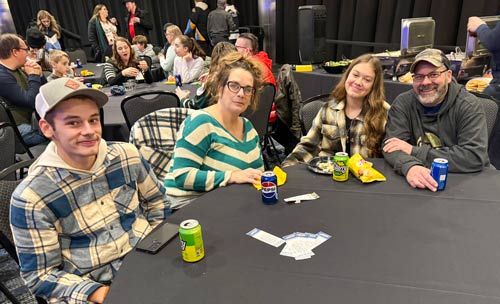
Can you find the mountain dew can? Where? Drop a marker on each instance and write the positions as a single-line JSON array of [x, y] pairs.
[[340, 170], [191, 241]]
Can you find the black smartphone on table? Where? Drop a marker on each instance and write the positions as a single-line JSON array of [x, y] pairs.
[[158, 238]]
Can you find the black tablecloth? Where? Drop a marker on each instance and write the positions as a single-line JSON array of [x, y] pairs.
[[391, 244], [97, 69], [320, 82]]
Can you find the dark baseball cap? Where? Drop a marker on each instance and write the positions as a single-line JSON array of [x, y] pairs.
[[433, 56]]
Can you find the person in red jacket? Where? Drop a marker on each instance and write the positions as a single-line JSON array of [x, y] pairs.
[[247, 43]]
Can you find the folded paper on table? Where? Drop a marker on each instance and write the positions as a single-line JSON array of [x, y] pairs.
[[304, 197]]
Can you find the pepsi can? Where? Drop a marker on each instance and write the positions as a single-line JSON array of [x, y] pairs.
[[178, 80], [439, 172], [269, 183]]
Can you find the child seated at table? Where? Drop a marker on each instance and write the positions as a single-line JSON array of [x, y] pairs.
[[190, 60], [143, 48], [59, 60]]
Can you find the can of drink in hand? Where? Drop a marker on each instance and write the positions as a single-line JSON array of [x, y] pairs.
[[340, 170], [269, 183], [178, 80], [191, 241], [439, 172]]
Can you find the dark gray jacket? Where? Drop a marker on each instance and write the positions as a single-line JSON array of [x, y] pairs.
[[460, 126]]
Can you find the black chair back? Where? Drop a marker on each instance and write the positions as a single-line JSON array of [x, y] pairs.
[[490, 106], [260, 117], [309, 110], [7, 147], [6, 190], [148, 60], [260, 121], [6, 116], [142, 103]]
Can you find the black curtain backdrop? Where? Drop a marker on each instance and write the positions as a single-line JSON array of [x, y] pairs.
[[377, 21], [74, 15], [353, 20]]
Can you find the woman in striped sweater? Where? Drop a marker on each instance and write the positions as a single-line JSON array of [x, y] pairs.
[[216, 146]]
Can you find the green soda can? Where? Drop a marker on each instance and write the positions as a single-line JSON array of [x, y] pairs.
[[191, 241], [340, 170]]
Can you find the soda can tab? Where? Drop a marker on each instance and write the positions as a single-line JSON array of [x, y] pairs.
[[439, 172], [269, 182], [191, 241]]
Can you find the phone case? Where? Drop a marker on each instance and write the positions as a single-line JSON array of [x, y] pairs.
[[158, 238]]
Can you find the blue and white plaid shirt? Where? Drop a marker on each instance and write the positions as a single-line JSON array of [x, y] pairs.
[[72, 229]]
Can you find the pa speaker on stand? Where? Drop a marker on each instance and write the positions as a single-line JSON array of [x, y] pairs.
[[312, 34]]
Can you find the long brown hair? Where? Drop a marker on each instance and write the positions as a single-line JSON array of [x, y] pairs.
[[42, 14], [192, 46], [97, 9], [375, 115], [117, 60]]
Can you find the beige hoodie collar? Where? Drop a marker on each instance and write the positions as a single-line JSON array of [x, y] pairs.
[[50, 158]]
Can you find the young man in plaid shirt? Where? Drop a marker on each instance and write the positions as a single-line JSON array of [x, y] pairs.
[[85, 203]]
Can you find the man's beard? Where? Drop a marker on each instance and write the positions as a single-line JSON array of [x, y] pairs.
[[434, 98]]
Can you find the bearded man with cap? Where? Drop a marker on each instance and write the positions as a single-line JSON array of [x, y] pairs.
[[85, 203], [437, 119]]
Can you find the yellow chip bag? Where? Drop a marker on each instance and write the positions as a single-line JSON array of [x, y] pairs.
[[86, 73], [363, 170]]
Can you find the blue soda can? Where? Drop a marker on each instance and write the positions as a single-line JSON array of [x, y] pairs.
[[178, 80], [269, 183], [78, 63], [439, 172]]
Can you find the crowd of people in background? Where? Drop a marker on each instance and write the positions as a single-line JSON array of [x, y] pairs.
[[216, 145]]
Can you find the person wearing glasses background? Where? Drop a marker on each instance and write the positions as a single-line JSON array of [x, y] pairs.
[[354, 118], [215, 145], [167, 54], [248, 44], [437, 119], [20, 81]]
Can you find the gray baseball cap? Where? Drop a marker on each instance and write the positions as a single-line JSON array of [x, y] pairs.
[[433, 56], [61, 89]]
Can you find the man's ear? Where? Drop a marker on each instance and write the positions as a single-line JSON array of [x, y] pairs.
[[449, 75], [46, 128]]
